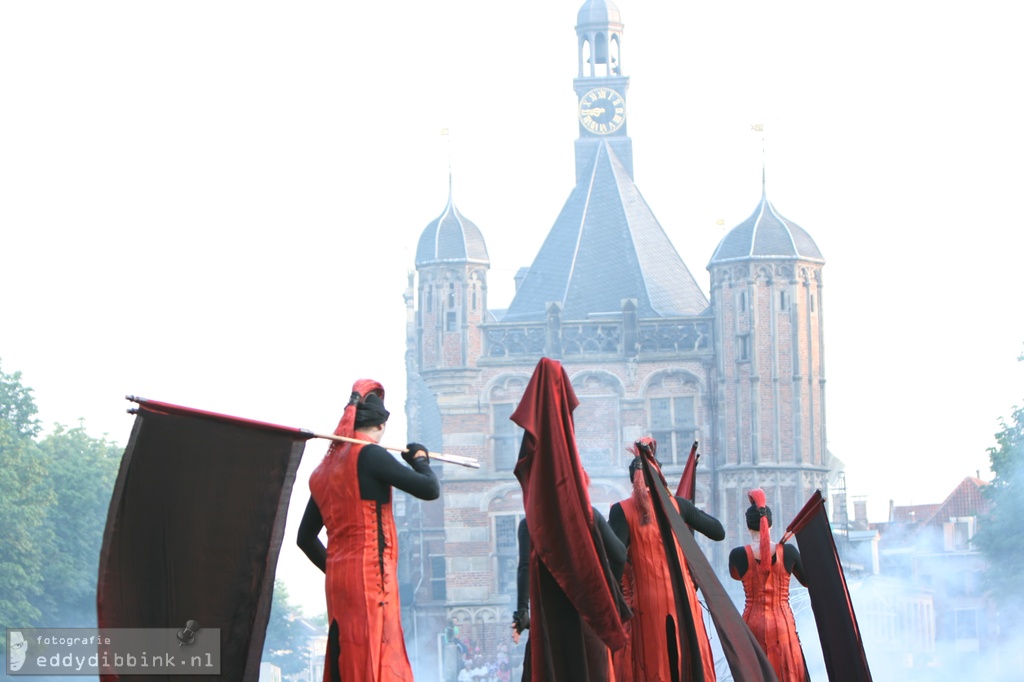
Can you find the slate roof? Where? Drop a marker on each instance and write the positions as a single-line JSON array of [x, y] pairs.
[[766, 235], [451, 238], [605, 246]]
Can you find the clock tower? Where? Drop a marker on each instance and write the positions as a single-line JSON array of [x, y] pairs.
[[600, 86]]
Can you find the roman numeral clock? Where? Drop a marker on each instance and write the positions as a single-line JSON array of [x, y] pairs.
[[602, 110]]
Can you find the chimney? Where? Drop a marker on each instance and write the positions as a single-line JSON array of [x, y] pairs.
[[860, 511]]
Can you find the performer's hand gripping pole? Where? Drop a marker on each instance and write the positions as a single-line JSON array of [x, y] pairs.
[[470, 462]]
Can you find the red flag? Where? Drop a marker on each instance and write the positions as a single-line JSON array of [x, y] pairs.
[[688, 481], [195, 527], [841, 643], [558, 511]]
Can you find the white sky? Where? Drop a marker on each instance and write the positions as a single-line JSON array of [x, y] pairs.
[[217, 204]]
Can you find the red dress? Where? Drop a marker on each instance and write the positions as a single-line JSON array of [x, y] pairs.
[[653, 602], [361, 584], [769, 617]]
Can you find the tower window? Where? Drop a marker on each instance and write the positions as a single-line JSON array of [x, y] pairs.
[[743, 302], [451, 321], [451, 295], [812, 303], [474, 298], [743, 348], [783, 302], [429, 295]]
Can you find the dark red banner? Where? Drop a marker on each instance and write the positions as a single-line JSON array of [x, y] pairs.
[[195, 527]]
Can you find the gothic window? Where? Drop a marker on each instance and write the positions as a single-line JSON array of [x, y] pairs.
[[451, 295], [506, 437], [451, 321], [812, 303], [674, 426], [782, 300], [743, 302], [429, 295], [438, 579], [474, 298]]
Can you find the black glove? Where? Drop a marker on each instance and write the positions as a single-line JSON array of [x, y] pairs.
[[411, 451], [521, 620]]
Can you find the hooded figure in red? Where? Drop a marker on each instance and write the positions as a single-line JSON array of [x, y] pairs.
[[350, 495], [576, 605], [765, 572], [665, 645]]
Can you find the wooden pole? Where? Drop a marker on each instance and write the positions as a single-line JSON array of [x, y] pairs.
[[439, 456]]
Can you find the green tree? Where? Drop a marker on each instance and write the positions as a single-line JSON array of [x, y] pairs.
[[17, 407], [80, 472], [24, 501], [25, 533], [1000, 530]]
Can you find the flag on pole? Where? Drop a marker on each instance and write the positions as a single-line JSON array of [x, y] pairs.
[[838, 631], [688, 481], [194, 529]]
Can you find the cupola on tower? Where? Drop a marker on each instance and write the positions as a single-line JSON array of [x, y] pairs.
[[452, 263]]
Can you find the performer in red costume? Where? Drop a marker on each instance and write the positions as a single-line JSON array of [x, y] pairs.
[[765, 572], [350, 494], [576, 605], [656, 629]]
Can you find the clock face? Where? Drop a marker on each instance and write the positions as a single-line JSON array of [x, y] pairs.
[[602, 111]]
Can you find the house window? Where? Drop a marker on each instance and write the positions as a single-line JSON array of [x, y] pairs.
[[506, 437], [506, 550], [967, 624], [674, 426], [438, 582]]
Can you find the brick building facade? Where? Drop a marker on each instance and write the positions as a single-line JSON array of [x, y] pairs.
[[647, 352]]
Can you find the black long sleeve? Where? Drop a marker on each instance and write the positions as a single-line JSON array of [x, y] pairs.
[[308, 536], [617, 520], [700, 521], [379, 472], [614, 548]]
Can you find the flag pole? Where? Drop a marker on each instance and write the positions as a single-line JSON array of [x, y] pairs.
[[439, 456]]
